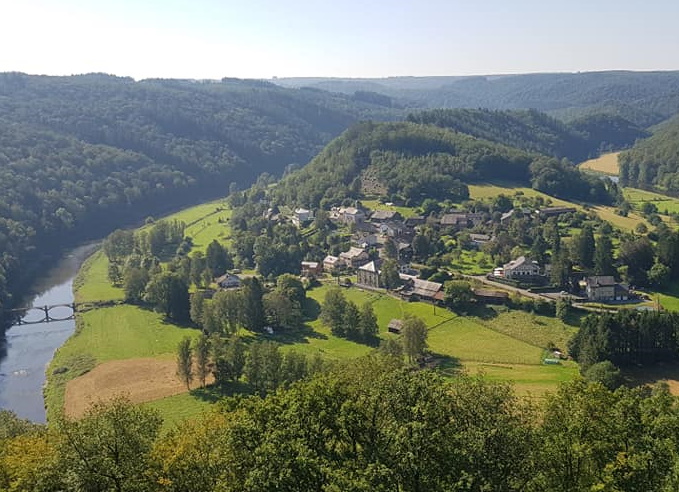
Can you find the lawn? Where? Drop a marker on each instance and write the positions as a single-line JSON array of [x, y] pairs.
[[92, 283], [625, 223], [491, 190], [532, 380], [466, 339], [473, 263], [124, 332], [531, 328], [175, 409], [606, 164], [377, 205], [666, 204], [513, 339]]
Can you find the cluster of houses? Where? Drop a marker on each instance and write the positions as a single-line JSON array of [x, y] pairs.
[[597, 288], [373, 228]]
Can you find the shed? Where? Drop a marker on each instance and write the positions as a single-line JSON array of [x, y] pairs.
[[395, 326]]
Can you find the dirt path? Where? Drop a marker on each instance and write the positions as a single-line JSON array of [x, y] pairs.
[[140, 380]]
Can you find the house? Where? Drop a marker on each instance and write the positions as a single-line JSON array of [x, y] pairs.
[[385, 216], [507, 216], [311, 269], [393, 229], [301, 215], [351, 215], [478, 240], [476, 218], [405, 251], [354, 257], [395, 326], [330, 263], [415, 221], [488, 296], [604, 288], [228, 281], [368, 276], [521, 267], [457, 221], [554, 211], [364, 239], [417, 289]]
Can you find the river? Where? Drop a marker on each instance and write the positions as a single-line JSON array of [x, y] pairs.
[[26, 350]]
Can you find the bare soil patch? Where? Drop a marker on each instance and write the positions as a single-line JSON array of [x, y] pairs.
[[140, 380]]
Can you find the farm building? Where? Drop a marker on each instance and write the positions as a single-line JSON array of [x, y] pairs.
[[228, 281], [395, 326]]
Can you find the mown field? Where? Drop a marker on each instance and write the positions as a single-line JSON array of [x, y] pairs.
[[605, 164]]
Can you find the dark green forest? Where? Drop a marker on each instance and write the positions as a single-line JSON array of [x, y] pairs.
[[82, 155], [654, 162], [414, 161], [372, 424], [533, 131], [643, 98]]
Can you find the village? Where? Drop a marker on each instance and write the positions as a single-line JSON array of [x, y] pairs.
[[381, 241]]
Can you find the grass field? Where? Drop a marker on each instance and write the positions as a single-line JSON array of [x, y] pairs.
[[507, 338], [527, 379], [376, 205], [92, 282], [490, 190], [605, 212], [473, 263], [666, 204], [175, 409], [605, 164], [124, 332]]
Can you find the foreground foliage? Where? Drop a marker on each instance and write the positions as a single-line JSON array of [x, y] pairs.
[[372, 425]]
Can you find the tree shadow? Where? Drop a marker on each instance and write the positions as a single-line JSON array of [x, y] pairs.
[[445, 364], [483, 311], [291, 337], [215, 392], [311, 309]]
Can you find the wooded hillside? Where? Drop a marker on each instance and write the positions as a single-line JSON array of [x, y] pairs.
[[80, 156], [533, 131], [416, 161], [654, 161]]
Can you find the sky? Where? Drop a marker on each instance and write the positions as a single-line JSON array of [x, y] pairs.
[[211, 39]]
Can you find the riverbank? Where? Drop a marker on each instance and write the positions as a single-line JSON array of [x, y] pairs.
[[28, 348], [125, 349]]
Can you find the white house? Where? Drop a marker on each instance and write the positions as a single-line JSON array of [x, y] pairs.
[[301, 216], [521, 267], [228, 281]]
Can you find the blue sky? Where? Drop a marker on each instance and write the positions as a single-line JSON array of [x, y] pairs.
[[348, 38]]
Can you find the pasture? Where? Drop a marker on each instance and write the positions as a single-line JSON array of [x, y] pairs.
[[605, 164]]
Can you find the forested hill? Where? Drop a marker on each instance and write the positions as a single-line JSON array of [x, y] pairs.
[[410, 162], [654, 162], [534, 131], [83, 155], [644, 98]]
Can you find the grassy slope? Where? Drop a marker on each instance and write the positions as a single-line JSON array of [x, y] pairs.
[[124, 332], [605, 212], [606, 164], [513, 340], [664, 203]]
